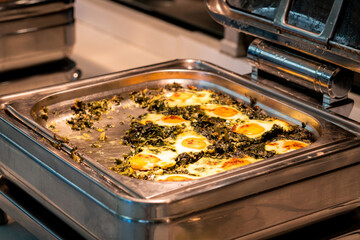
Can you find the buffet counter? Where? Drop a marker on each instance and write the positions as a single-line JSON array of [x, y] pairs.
[[111, 38]]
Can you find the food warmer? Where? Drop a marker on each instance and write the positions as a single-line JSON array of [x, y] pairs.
[[303, 69], [35, 32]]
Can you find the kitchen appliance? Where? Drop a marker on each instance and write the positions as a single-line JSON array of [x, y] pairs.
[[35, 32], [261, 200], [39, 162], [190, 14]]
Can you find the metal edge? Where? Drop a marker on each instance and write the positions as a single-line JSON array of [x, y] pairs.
[[15, 11], [151, 201], [336, 53]]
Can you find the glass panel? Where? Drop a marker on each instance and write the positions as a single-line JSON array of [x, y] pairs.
[[262, 8], [348, 30], [310, 15]]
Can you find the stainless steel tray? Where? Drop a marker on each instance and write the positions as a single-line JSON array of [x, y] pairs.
[[269, 193]]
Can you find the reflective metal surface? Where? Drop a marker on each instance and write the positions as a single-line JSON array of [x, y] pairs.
[[323, 35], [43, 75], [32, 215], [35, 32], [190, 14], [276, 193], [323, 78], [337, 41]]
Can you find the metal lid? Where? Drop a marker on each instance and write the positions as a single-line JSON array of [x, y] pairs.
[[326, 29]]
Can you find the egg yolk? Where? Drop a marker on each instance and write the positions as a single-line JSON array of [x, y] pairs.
[[234, 163], [293, 145], [143, 161], [225, 111], [172, 119], [194, 143], [250, 129], [180, 96], [284, 146], [175, 178]]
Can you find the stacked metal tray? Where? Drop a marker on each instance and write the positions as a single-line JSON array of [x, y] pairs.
[[258, 200], [35, 32]]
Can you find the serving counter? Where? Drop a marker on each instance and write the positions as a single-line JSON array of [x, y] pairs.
[[111, 38]]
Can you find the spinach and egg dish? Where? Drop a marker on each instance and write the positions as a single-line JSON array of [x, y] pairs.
[[188, 133]]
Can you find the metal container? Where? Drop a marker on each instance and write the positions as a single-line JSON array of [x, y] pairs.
[[259, 200], [310, 43], [55, 72], [35, 32]]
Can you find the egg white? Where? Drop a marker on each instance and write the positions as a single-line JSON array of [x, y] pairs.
[[158, 119], [265, 124], [166, 157], [209, 166], [205, 167], [190, 134], [196, 98], [286, 126], [285, 145]]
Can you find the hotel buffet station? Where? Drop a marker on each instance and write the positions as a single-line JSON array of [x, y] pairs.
[[179, 119]]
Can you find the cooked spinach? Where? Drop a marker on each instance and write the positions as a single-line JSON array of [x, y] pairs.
[[224, 142], [139, 135]]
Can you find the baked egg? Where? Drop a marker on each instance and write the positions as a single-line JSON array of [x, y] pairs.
[[256, 128], [223, 111], [210, 166], [148, 159], [190, 142], [165, 120], [285, 145], [188, 97]]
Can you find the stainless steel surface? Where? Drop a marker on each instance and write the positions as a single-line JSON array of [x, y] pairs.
[[43, 75], [33, 216], [131, 208], [349, 236], [28, 221], [262, 22], [304, 52], [25, 24], [189, 14], [123, 87], [35, 32], [326, 79], [18, 9], [29, 49], [234, 43], [328, 30]]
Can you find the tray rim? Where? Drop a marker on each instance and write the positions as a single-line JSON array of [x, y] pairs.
[[165, 201]]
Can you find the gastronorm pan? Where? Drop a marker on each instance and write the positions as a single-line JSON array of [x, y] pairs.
[[258, 200]]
